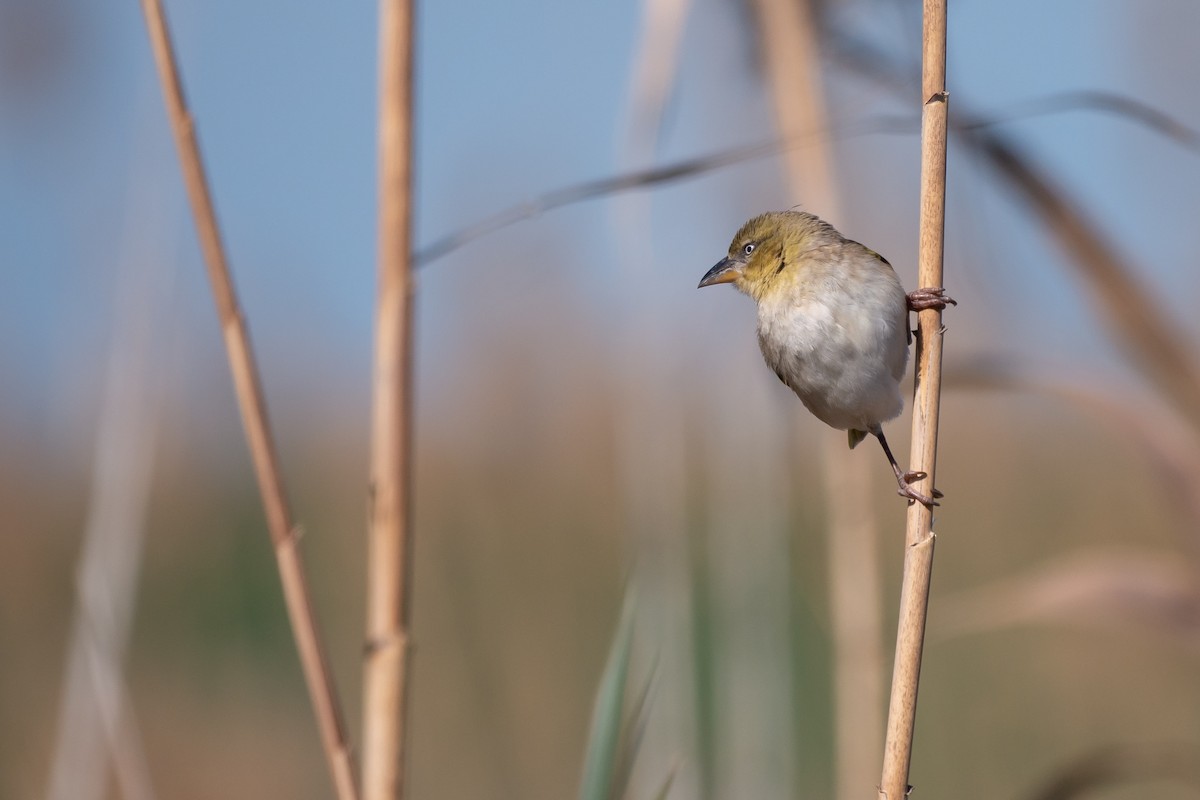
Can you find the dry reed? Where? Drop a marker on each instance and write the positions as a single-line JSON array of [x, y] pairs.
[[1162, 435], [96, 724], [1155, 764], [652, 468], [284, 535], [1119, 105], [1154, 343], [791, 49], [919, 538], [389, 562]]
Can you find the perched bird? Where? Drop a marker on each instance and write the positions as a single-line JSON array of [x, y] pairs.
[[832, 322]]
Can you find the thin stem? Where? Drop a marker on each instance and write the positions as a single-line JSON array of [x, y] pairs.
[[792, 59], [919, 538], [95, 708], [389, 565], [1119, 105], [652, 469], [1164, 436], [248, 387], [1154, 342], [1106, 767]]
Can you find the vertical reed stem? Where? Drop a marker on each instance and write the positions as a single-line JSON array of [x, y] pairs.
[[389, 565], [792, 57], [919, 538], [248, 387]]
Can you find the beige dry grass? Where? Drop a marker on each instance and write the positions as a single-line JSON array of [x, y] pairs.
[[389, 562], [284, 535], [918, 556], [792, 62]]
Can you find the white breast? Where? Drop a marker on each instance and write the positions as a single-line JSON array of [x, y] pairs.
[[843, 354]]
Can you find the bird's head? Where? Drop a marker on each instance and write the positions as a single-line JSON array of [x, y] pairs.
[[764, 247]]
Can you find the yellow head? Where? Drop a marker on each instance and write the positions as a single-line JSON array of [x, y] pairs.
[[765, 246]]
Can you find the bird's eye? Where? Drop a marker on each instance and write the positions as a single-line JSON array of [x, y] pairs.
[[749, 248]]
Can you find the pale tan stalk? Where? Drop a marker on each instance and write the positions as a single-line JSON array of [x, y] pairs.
[[1112, 765], [389, 562], [855, 612], [1162, 434], [321, 688], [96, 710], [919, 538], [1153, 341], [652, 468], [792, 61], [655, 71]]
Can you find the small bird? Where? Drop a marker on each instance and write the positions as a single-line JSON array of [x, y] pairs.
[[832, 322]]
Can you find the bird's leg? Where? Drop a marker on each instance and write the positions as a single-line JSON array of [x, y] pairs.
[[922, 299], [903, 478]]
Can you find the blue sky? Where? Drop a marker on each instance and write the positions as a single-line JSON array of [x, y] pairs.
[[515, 99]]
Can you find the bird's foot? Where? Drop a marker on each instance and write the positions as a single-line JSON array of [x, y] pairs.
[[906, 490], [922, 299], [917, 475]]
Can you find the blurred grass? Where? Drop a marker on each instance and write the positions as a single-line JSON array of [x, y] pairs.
[[520, 551], [604, 777], [520, 565]]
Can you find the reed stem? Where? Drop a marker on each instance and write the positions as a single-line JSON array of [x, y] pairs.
[[389, 556], [919, 538], [252, 404]]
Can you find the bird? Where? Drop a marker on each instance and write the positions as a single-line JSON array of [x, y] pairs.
[[832, 323]]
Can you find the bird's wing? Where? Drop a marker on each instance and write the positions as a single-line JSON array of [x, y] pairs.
[[907, 331], [870, 252]]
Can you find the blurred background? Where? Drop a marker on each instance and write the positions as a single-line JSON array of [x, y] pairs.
[[586, 420]]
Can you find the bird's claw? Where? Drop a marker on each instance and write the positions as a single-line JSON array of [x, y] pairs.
[[906, 490], [922, 299]]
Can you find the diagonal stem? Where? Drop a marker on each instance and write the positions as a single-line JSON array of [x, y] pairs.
[[248, 387]]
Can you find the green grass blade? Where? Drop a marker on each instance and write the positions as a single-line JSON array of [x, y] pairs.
[[633, 729], [602, 756], [665, 789]]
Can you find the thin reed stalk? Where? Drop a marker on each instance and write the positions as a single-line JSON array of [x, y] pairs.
[[1152, 340], [650, 440], [1058, 103], [1163, 435], [788, 31], [389, 561], [284, 535], [792, 62], [96, 718], [919, 538], [1113, 765], [855, 619]]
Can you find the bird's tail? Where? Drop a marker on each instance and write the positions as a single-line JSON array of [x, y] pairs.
[[855, 437]]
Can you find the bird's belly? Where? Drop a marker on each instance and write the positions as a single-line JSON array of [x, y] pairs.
[[845, 374]]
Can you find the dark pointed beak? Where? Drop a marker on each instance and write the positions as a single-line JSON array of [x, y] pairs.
[[725, 271]]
